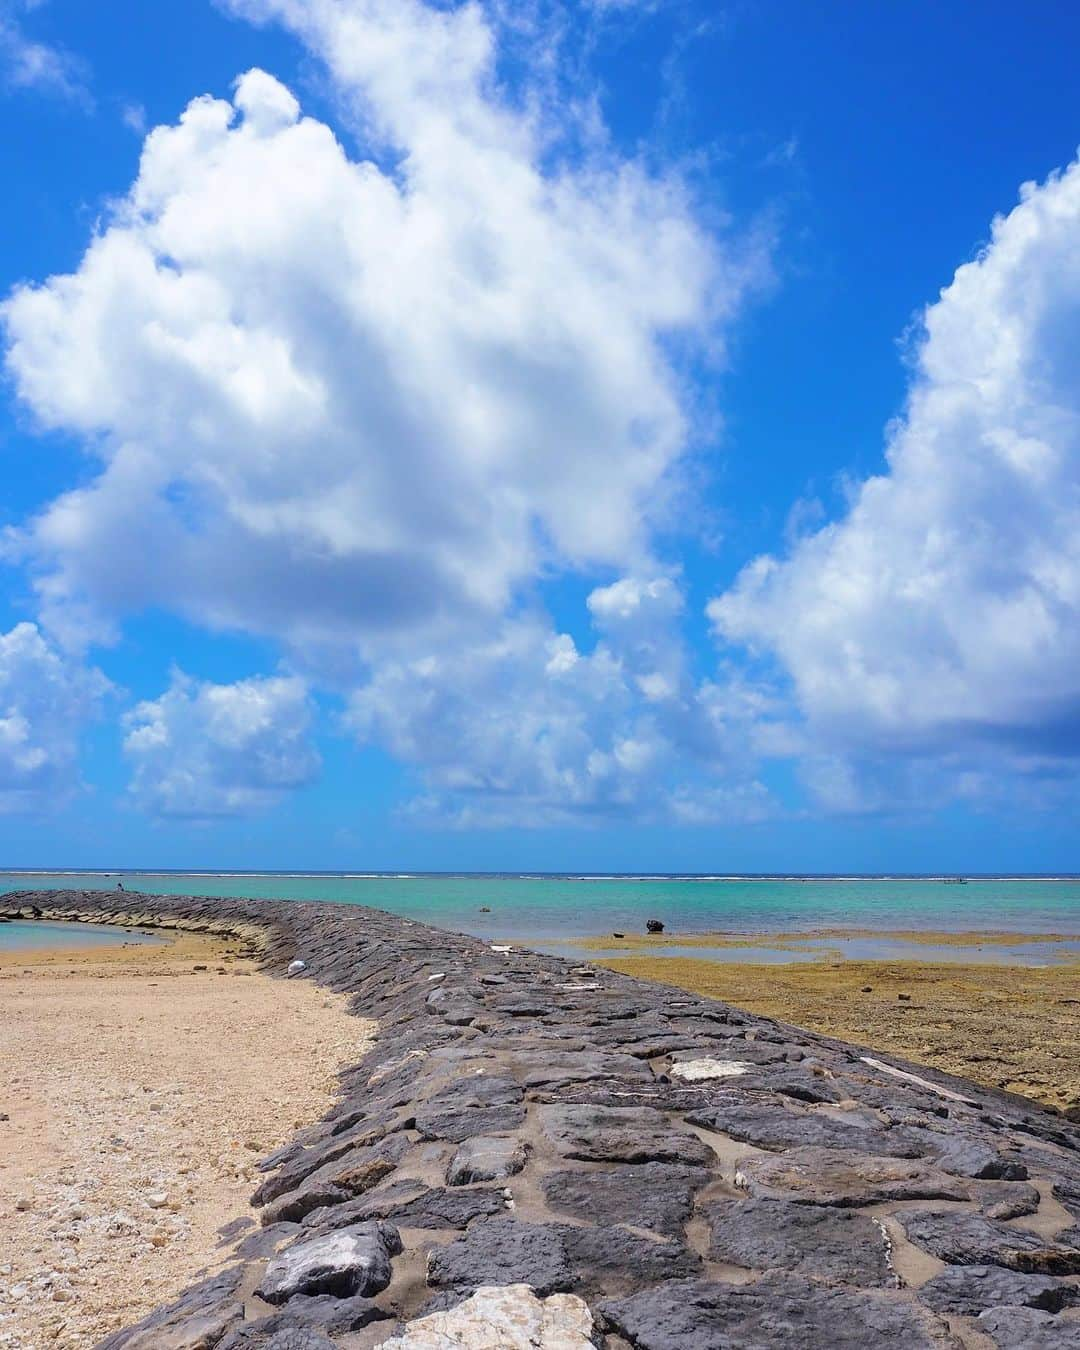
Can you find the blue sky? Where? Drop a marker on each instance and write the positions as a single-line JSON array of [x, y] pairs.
[[596, 435]]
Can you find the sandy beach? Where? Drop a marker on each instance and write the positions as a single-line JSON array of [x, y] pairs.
[[138, 1087], [1003, 1025]]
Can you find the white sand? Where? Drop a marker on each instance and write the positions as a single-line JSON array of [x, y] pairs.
[[140, 1095]]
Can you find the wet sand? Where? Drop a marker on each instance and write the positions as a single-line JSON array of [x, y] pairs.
[[139, 1093], [1003, 1025]]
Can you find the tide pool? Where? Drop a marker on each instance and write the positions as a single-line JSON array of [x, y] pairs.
[[547, 908], [17, 936]]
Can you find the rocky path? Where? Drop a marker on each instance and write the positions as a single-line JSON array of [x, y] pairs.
[[537, 1154]]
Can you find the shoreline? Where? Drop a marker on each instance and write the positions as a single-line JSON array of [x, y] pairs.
[[140, 1084], [532, 1143]]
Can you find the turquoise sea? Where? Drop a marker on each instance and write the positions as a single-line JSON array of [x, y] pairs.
[[545, 909]]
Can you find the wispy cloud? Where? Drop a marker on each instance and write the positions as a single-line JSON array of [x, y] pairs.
[[133, 116], [28, 63]]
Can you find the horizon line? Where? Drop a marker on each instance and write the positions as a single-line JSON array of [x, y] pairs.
[[393, 875]]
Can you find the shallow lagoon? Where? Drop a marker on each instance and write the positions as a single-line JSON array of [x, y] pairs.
[[537, 908], [39, 935]]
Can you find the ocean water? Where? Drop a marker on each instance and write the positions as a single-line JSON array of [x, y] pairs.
[[545, 909], [24, 937]]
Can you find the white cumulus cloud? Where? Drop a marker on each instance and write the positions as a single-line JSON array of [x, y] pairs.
[[365, 402], [203, 750], [46, 701], [524, 729], [336, 399], [941, 615]]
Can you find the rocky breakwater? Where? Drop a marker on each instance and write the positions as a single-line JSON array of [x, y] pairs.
[[540, 1154]]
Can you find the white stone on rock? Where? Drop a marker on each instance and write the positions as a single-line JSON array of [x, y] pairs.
[[696, 1070], [295, 967], [919, 1082], [506, 1317]]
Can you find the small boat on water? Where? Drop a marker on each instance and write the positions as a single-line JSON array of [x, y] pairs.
[[954, 881]]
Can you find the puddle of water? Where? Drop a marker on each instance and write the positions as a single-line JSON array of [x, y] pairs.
[[37, 935]]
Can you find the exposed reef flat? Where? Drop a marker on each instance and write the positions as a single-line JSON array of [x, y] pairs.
[[1010, 1026], [539, 1154], [810, 941]]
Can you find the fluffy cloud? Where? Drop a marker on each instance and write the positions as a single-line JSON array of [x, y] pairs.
[[941, 615], [338, 400], [365, 405], [46, 700], [525, 729], [203, 750]]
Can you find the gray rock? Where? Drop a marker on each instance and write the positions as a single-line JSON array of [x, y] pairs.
[[760, 1053], [837, 1246], [626, 1134], [286, 1338], [970, 1290], [360, 1210], [349, 1261], [777, 1127], [615, 1260], [795, 1082], [964, 1239], [777, 1311], [966, 1159], [294, 1205], [470, 1121], [297, 1170], [646, 1042], [323, 1314], [480, 1104], [433, 1208], [843, 1177], [286, 1153], [486, 1158], [524, 1005], [504, 1252], [1067, 1190], [1005, 1199], [1026, 1329], [266, 1241], [660, 1093], [657, 1196], [553, 1257], [547, 1068]]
